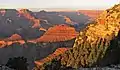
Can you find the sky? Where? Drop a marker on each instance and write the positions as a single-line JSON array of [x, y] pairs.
[[58, 4]]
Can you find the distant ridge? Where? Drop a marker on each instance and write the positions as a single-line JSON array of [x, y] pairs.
[[91, 13]]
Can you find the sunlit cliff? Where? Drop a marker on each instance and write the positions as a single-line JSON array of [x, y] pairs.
[[58, 33], [15, 38], [94, 41]]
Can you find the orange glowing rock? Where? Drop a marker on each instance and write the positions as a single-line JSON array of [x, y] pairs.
[[9, 43], [20, 41], [36, 23], [25, 13], [101, 21], [43, 29], [58, 33], [67, 19], [31, 41], [21, 11], [2, 44], [14, 37], [59, 51], [51, 56]]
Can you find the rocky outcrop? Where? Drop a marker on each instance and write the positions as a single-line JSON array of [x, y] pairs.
[[67, 19], [95, 42], [51, 56], [15, 38], [43, 29], [26, 14], [58, 33], [2, 44], [91, 44]]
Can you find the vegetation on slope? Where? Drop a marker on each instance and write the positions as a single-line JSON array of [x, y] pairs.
[[95, 42]]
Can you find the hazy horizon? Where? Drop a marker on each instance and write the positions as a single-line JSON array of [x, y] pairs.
[[49, 5], [52, 9]]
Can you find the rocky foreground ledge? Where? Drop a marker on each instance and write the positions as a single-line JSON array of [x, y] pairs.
[[97, 45]]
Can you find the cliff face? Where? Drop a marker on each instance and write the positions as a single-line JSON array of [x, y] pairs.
[[51, 56], [22, 22], [26, 14], [91, 44], [94, 41]]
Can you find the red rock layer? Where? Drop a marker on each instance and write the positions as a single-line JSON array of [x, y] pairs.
[[51, 56], [58, 33], [15, 38]]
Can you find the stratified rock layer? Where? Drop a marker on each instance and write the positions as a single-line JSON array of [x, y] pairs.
[[15, 38], [58, 33], [94, 41]]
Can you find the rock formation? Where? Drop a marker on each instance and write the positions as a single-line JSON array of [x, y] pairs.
[[95, 41], [26, 14], [58, 33], [43, 29], [51, 56], [15, 38]]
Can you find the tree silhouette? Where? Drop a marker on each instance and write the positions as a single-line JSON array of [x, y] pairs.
[[17, 63]]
